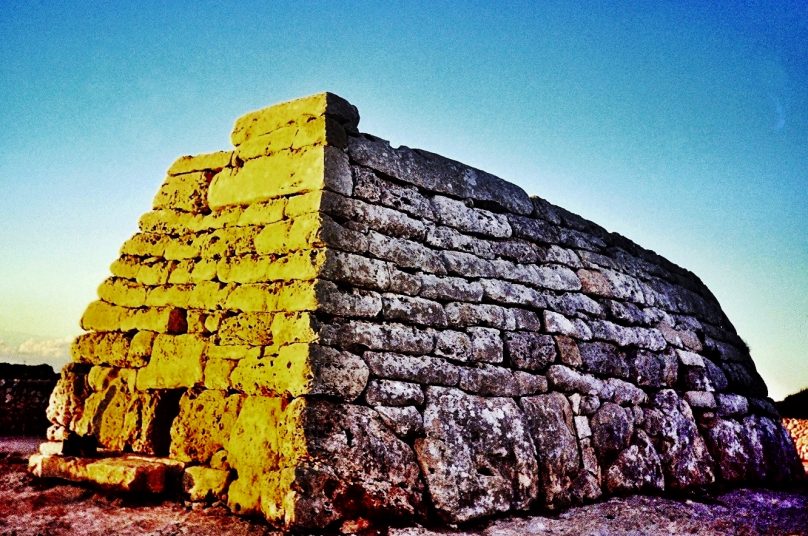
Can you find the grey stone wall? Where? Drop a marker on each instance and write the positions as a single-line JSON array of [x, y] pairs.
[[527, 356]]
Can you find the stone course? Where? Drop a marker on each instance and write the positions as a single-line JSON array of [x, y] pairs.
[[320, 328]]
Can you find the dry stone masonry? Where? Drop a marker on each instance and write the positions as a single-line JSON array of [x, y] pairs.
[[318, 328]]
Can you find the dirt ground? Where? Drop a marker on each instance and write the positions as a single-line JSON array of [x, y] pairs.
[[33, 507]]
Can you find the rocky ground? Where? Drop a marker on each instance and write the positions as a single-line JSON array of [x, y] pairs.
[[31, 507]]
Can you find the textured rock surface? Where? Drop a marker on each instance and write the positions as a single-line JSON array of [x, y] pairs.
[[330, 330]]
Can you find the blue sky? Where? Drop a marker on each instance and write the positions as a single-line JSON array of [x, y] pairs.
[[683, 126]]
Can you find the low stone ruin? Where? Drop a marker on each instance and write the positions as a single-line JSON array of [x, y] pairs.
[[318, 328], [24, 392]]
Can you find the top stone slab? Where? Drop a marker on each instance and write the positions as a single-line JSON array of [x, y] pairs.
[[272, 118]]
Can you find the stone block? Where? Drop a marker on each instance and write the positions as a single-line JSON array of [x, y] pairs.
[[457, 214], [127, 474], [477, 457], [454, 345], [486, 345], [203, 424], [393, 393], [419, 369], [529, 351], [176, 362], [201, 162], [204, 484]]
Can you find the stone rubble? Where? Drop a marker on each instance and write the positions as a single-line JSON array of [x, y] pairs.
[[324, 330]]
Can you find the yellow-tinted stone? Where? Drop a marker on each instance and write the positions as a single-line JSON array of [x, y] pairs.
[[297, 296], [280, 174], [257, 297], [227, 242], [289, 235], [110, 348], [196, 321], [145, 245], [209, 294], [181, 247], [181, 272], [267, 436], [140, 348], [105, 412], [66, 404], [299, 265], [159, 319], [247, 328], [217, 373], [297, 205], [119, 291], [213, 320], [154, 271], [204, 270], [170, 295], [201, 162], [263, 213], [216, 351], [315, 131], [203, 424], [203, 483], [102, 316], [282, 115], [101, 377], [176, 361], [127, 473], [168, 221], [186, 192], [126, 266], [286, 373], [289, 328]]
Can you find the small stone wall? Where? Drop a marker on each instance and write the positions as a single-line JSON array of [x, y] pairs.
[[24, 394], [319, 328]]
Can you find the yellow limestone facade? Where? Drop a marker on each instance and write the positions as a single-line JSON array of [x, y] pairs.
[[202, 342]]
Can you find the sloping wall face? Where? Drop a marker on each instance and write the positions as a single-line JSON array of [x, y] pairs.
[[320, 328]]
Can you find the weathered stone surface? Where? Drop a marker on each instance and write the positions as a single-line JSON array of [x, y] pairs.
[[415, 310], [128, 474], [357, 468], [729, 447], [284, 308], [454, 345], [450, 288], [456, 214], [529, 351], [203, 424], [419, 369], [204, 484], [405, 421], [649, 369], [636, 469], [477, 457], [565, 379], [393, 393], [438, 174], [486, 345], [685, 459], [568, 352], [604, 358], [550, 423], [612, 430]]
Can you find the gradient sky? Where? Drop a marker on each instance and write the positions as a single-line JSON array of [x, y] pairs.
[[683, 126]]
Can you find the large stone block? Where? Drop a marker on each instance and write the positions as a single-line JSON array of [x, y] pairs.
[[477, 457]]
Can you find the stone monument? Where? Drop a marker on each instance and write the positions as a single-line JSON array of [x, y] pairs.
[[316, 327]]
